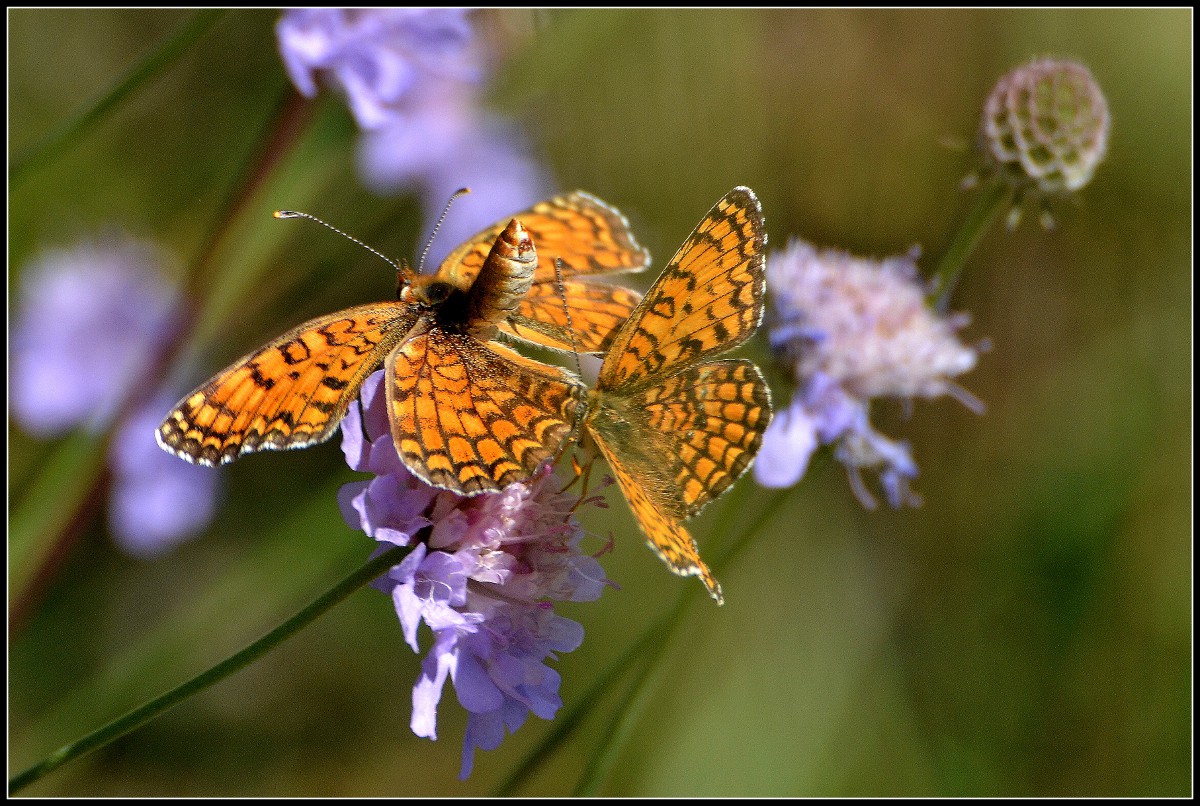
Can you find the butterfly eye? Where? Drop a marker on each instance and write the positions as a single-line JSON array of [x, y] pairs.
[[429, 293], [435, 293]]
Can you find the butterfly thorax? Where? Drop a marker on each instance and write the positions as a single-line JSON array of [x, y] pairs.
[[439, 304]]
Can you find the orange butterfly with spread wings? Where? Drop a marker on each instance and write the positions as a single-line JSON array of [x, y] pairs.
[[467, 413], [677, 429]]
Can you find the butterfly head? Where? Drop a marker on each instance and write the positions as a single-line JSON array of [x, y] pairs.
[[428, 291]]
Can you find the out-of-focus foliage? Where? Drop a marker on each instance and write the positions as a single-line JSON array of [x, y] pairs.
[[1026, 632]]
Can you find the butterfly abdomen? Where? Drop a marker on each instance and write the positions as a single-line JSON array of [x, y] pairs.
[[504, 279]]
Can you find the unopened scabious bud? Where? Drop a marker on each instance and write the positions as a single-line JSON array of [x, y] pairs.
[[851, 330], [1045, 125]]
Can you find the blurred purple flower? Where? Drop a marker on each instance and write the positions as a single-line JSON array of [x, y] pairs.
[[483, 578], [157, 501], [412, 78], [854, 329], [379, 58], [449, 145], [90, 323]]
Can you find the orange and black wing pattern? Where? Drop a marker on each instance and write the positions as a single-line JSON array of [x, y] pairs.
[[708, 299], [290, 393], [467, 414], [474, 418], [676, 428], [577, 236]]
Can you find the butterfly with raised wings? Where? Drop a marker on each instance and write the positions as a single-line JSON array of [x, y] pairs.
[[467, 413], [676, 428]]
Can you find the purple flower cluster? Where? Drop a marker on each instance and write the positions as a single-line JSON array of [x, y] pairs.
[[89, 323], [851, 330], [482, 576], [412, 78], [382, 60], [157, 501], [89, 319]]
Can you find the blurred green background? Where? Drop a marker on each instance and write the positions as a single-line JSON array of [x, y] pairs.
[[1026, 632]]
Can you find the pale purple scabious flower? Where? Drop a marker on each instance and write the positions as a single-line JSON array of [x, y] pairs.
[[413, 78], [90, 324], [157, 500], [454, 143], [853, 329], [378, 58], [482, 576]]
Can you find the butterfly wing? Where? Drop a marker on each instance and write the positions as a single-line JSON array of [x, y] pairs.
[[589, 237], [585, 322], [678, 431], [664, 535], [473, 417], [290, 393], [703, 426], [708, 299]]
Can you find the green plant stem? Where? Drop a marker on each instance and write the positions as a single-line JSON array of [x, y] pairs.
[[41, 535], [139, 716], [624, 721], [658, 635], [995, 196], [629, 711], [73, 129]]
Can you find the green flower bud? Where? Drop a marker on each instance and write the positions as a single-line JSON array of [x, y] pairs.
[[1046, 124]]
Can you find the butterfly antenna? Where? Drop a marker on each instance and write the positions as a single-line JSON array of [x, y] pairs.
[[562, 293], [399, 267], [438, 225], [581, 412]]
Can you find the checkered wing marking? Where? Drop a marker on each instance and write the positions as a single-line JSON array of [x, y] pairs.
[[707, 300], [590, 237], [474, 418], [290, 393], [706, 424], [664, 535], [596, 312], [677, 431]]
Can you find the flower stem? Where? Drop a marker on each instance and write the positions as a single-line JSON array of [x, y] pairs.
[[43, 535], [139, 716], [659, 635], [629, 711], [995, 196], [72, 130]]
